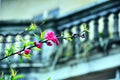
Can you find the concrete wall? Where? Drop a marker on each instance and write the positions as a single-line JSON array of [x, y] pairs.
[[27, 9]]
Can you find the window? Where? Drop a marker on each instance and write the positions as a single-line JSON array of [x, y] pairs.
[[54, 12], [38, 17]]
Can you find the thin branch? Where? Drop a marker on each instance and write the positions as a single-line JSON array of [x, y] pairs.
[[18, 51], [61, 37]]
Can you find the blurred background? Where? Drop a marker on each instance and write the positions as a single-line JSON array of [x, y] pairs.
[[97, 57]]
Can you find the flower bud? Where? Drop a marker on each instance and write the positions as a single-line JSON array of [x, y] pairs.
[[19, 53], [49, 43], [39, 45], [27, 51]]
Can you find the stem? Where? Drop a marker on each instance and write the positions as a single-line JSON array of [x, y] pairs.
[[60, 37], [19, 51], [14, 53], [23, 32]]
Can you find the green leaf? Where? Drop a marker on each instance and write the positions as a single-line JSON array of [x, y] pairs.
[[9, 51], [68, 37], [14, 75], [68, 34], [19, 76], [36, 36], [2, 76], [12, 78], [29, 43], [27, 56], [35, 48], [33, 27], [49, 78], [13, 72], [87, 31], [21, 47], [68, 54], [21, 58], [26, 44], [22, 39], [42, 35], [85, 27]]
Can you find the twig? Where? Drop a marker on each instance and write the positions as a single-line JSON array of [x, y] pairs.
[[73, 36], [18, 51]]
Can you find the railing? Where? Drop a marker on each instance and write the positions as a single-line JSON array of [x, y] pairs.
[[98, 19]]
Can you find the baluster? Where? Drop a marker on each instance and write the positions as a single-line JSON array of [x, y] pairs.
[[116, 23], [96, 35], [2, 50], [29, 40], [63, 44], [1, 43], [78, 32], [73, 42], [13, 39], [77, 42], [36, 56], [105, 33], [87, 34], [70, 31], [16, 45], [9, 45], [78, 28], [105, 30], [21, 44], [59, 54], [3, 47]]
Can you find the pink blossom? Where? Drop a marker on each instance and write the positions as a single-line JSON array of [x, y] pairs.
[[57, 43], [19, 53], [27, 51], [51, 36], [55, 40], [38, 45], [49, 43]]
